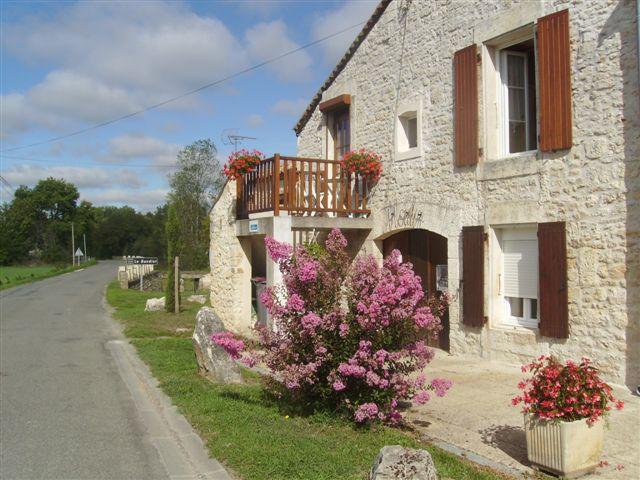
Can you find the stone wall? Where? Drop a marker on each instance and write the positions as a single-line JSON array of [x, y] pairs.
[[594, 187], [230, 266]]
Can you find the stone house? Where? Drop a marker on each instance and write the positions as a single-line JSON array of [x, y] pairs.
[[510, 138]]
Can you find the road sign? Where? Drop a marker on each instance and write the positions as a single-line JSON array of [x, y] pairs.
[[79, 253], [142, 261]]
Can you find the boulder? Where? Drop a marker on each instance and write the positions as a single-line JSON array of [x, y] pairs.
[[213, 362], [154, 305], [201, 299], [398, 463]]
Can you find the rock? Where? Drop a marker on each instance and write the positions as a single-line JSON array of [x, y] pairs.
[[154, 305], [201, 299], [205, 282], [398, 463], [213, 362]]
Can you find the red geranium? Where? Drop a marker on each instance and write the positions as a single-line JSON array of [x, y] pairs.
[[566, 392], [363, 162], [241, 163]]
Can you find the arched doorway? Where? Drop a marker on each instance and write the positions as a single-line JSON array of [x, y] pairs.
[[425, 250]]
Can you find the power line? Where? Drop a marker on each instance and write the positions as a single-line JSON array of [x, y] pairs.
[[186, 94], [6, 183]]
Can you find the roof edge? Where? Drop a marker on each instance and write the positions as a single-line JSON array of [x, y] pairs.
[[373, 19]]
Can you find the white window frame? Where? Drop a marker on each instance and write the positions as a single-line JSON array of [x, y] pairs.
[[501, 314], [408, 109], [504, 102]]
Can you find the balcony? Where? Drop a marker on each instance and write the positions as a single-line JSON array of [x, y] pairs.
[[302, 187]]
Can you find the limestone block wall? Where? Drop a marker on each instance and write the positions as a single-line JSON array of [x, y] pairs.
[[593, 187], [230, 262]]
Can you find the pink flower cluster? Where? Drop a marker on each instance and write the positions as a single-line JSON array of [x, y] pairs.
[[567, 392], [348, 335]]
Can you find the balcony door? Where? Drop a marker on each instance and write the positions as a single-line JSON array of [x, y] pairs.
[[341, 133]]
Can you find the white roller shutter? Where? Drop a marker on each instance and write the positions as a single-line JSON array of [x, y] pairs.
[[520, 264]]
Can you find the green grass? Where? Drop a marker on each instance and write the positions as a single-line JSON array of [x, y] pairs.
[[140, 324], [12, 276], [250, 432]]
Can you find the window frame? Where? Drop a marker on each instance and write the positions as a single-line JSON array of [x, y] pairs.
[[502, 72], [493, 120], [500, 308], [408, 109]]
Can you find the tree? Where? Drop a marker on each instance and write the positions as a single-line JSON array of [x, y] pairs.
[[196, 181], [173, 247]]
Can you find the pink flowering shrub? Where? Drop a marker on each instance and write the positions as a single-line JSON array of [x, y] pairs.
[[350, 337], [565, 392]]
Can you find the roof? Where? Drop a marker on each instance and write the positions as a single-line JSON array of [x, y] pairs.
[[375, 16]]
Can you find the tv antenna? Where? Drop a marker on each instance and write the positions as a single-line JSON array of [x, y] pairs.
[[230, 136]]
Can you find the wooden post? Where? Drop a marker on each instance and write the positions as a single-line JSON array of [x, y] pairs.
[[176, 283], [276, 185]]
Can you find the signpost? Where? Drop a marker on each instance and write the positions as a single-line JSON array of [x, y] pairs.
[[78, 255]]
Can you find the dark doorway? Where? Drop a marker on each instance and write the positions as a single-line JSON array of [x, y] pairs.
[[425, 250]]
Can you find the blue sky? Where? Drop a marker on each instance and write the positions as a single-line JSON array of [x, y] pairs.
[[66, 66]]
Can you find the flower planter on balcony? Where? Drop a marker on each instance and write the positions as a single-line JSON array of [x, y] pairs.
[[569, 449]]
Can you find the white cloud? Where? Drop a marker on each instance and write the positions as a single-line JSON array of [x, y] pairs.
[[81, 177], [350, 13], [270, 39], [111, 59], [137, 146], [293, 108], [254, 120], [144, 200]]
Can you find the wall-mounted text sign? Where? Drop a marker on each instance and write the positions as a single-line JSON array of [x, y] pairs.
[[402, 217]]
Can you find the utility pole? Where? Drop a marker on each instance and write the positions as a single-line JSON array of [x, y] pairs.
[[73, 246], [84, 238], [176, 283]]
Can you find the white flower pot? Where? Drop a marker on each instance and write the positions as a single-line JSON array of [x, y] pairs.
[[569, 449]]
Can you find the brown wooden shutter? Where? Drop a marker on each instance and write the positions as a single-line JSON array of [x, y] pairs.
[[465, 68], [552, 271], [473, 276], [554, 71]]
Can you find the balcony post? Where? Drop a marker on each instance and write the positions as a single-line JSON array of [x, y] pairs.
[[276, 185]]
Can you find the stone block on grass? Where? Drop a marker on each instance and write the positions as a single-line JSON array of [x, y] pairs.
[[399, 463], [154, 305], [214, 363]]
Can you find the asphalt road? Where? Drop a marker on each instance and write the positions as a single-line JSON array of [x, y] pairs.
[[65, 411]]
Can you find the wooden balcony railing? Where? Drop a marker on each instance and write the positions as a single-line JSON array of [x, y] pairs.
[[302, 186]]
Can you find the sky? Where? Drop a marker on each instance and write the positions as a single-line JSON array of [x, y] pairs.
[[67, 66]]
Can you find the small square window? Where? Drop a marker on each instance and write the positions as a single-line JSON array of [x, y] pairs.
[[407, 131]]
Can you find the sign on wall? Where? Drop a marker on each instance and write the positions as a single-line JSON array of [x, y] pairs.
[[402, 217], [254, 227], [442, 278]]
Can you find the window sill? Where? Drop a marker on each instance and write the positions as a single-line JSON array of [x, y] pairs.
[[408, 154], [518, 165], [505, 327]]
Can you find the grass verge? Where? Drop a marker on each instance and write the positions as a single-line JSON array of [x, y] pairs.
[[249, 431], [12, 276]]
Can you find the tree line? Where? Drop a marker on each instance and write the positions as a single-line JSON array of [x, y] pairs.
[[35, 227]]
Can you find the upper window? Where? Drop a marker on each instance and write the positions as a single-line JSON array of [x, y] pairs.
[[341, 133], [408, 131], [518, 97]]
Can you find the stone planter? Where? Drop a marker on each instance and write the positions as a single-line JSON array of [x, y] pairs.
[[569, 449]]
